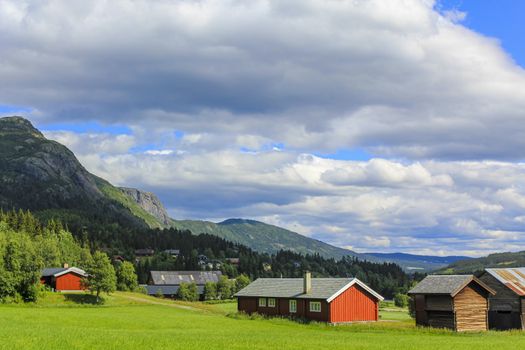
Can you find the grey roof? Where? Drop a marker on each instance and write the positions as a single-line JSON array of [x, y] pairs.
[[178, 277], [445, 284], [322, 288], [57, 271], [51, 271], [168, 290]]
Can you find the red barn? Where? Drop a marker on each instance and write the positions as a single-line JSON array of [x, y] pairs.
[[63, 278], [333, 300]]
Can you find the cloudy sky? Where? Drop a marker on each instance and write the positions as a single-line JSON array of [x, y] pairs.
[[374, 125]]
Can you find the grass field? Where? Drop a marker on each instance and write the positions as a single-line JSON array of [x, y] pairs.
[[131, 321]]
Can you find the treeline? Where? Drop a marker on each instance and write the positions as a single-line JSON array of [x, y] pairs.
[[34, 245], [387, 278]]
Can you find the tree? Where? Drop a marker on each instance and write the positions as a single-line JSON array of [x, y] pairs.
[[401, 300], [193, 292], [183, 292], [224, 288], [210, 291], [101, 275], [126, 277], [241, 281]]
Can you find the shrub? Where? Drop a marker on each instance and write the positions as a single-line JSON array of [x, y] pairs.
[[401, 300]]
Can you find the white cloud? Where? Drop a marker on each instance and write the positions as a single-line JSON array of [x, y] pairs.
[[438, 106]]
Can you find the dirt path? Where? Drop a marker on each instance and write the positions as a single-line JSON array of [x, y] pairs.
[[154, 302]]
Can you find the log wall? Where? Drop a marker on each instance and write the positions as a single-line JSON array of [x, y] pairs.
[[471, 307]]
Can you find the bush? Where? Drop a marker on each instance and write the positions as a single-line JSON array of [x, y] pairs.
[[210, 291], [401, 300]]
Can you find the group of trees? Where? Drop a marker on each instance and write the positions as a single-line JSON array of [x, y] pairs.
[[224, 289], [27, 246]]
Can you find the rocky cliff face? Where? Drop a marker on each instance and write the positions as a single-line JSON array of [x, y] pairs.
[[45, 177], [149, 202]]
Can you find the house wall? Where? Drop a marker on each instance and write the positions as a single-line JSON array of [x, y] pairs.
[[69, 281], [354, 304], [251, 305], [506, 308], [434, 311], [471, 307]]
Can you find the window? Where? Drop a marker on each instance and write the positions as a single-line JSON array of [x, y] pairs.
[[271, 302], [315, 306], [262, 302], [293, 306]]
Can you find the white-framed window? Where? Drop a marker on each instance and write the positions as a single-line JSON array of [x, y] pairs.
[[293, 306], [271, 302], [315, 306], [262, 302]]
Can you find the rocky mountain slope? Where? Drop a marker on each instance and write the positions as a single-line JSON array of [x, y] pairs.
[[150, 203], [45, 177]]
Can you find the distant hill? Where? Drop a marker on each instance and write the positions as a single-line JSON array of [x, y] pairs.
[[508, 259], [264, 237], [45, 177], [421, 263]]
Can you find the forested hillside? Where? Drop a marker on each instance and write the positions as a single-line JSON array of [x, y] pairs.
[[477, 265]]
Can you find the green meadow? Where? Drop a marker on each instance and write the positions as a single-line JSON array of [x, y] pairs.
[[135, 321]]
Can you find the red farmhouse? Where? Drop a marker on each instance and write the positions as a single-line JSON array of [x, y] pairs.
[[63, 278], [333, 300]]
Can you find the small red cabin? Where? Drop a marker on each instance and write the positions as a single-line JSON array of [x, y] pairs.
[[333, 300], [63, 279]]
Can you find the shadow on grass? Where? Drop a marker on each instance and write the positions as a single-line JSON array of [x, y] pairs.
[[84, 299]]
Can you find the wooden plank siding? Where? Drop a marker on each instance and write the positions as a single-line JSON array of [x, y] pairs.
[[354, 304], [470, 306], [69, 281]]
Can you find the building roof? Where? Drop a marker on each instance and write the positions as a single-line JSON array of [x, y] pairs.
[[168, 290], [512, 278], [446, 284], [178, 277], [59, 271], [322, 288]]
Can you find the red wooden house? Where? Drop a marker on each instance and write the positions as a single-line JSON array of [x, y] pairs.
[[333, 300], [63, 279]]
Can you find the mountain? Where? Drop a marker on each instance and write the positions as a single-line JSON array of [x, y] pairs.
[[421, 263], [508, 259], [264, 237], [45, 177]]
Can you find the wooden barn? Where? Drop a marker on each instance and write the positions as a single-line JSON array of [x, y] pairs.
[[62, 279], [458, 302], [333, 300], [507, 306]]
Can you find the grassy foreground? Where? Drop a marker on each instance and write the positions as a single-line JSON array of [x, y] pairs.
[[134, 321]]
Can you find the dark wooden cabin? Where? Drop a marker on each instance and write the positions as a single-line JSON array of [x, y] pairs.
[[333, 300], [507, 306], [458, 302]]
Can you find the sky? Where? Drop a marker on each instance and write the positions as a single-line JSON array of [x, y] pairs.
[[382, 126]]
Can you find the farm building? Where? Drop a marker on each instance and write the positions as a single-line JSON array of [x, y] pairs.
[[333, 300], [458, 302], [167, 283], [507, 306], [64, 278]]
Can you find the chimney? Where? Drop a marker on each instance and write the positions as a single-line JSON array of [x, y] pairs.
[[66, 265], [307, 282]]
